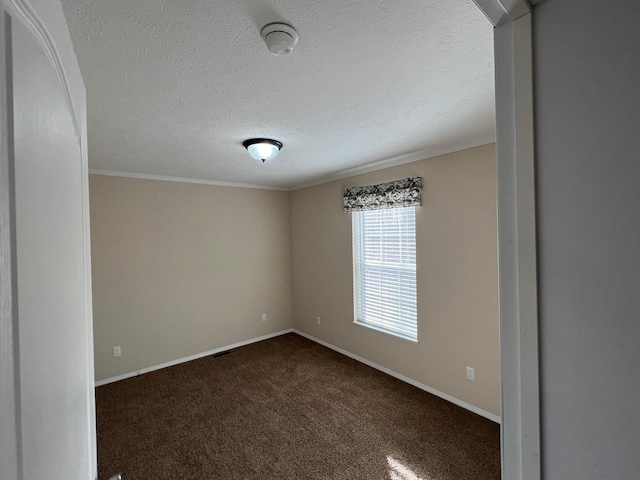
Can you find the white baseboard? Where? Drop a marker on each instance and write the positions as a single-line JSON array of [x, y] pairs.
[[399, 376], [421, 386], [190, 357]]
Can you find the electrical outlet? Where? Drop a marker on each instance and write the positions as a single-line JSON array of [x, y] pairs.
[[471, 374], [116, 351], [318, 320], [264, 317]]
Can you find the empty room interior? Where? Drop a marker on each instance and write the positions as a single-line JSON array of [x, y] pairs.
[[309, 240], [198, 248]]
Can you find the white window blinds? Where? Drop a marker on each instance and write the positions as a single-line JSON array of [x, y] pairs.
[[384, 253]]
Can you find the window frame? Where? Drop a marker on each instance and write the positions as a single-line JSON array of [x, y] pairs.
[[358, 265]]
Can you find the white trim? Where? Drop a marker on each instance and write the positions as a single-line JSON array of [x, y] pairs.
[[398, 160], [352, 172], [24, 11], [86, 226], [519, 357], [518, 252], [384, 330], [164, 178], [415, 156], [410, 381], [45, 22], [426, 388], [516, 8], [503, 11], [494, 11], [10, 399], [178, 361]]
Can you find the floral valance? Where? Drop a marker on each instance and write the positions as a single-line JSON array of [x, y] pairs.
[[401, 193]]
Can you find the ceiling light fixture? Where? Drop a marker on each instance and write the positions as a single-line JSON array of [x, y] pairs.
[[279, 37], [262, 148]]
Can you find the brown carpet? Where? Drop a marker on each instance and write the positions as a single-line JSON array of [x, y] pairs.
[[286, 408]]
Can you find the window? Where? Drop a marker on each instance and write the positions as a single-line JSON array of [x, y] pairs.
[[384, 256]]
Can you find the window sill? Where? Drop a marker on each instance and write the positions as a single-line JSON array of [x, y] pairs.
[[388, 332]]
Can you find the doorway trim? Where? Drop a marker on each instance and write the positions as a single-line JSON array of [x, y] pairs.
[[517, 251], [46, 22], [10, 435]]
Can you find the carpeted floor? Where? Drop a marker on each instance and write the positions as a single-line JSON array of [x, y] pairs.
[[286, 408]]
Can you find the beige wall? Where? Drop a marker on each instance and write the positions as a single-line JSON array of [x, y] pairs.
[[457, 275], [180, 269]]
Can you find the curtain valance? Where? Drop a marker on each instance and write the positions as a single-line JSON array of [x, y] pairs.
[[401, 193]]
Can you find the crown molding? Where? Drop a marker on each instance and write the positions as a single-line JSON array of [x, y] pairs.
[[352, 172], [398, 160], [165, 178]]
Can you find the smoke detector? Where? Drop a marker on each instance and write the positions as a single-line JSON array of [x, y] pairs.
[[279, 37]]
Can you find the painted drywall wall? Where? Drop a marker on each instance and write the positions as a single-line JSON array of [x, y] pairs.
[[180, 269], [53, 305], [587, 72], [456, 273]]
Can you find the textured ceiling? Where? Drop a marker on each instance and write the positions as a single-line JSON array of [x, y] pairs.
[[174, 87]]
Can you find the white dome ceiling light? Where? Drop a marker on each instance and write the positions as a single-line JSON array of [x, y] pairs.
[[262, 148], [279, 37]]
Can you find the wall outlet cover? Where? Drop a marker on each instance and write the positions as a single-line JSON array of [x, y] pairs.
[[471, 374]]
